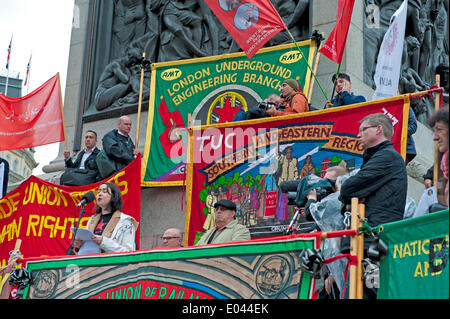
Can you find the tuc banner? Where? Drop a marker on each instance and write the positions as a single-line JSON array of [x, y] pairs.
[[247, 162], [249, 270], [41, 213], [210, 90], [416, 263]]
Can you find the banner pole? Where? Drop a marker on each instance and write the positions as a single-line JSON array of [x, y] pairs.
[[62, 114], [316, 63], [306, 61], [353, 250], [360, 254], [335, 80], [436, 148], [140, 102]]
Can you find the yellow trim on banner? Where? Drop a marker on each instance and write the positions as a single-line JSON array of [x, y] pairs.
[[232, 55], [189, 185], [148, 134], [404, 139]]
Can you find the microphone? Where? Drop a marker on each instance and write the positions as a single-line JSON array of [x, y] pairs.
[[86, 199]]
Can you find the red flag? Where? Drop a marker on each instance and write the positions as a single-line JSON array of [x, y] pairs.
[[335, 44], [251, 23], [33, 120]]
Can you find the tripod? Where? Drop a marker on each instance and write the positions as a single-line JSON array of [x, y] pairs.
[[290, 229]]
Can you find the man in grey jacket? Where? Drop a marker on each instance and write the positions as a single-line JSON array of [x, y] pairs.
[[227, 227]]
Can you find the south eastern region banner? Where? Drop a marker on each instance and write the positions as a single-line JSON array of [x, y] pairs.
[[208, 91], [268, 269], [416, 263], [247, 161], [41, 213]]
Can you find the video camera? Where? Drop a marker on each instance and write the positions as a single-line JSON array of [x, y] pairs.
[[267, 105], [292, 189]]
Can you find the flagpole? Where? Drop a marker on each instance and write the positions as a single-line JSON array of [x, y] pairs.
[[6, 83], [316, 63], [335, 79], [309, 67], [62, 114], [140, 100]]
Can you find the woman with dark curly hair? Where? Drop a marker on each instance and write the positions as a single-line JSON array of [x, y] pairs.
[[439, 123], [113, 230]]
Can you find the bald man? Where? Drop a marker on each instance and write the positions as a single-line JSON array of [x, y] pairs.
[[118, 144], [172, 238]]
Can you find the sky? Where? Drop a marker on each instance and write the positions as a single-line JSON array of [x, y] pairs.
[[41, 29]]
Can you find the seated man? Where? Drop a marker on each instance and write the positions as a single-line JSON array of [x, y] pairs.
[[291, 98], [172, 238], [227, 227], [86, 158], [344, 96], [118, 144], [84, 170]]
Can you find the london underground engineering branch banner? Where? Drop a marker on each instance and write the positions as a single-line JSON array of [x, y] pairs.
[[248, 269], [41, 213], [246, 162], [211, 90]]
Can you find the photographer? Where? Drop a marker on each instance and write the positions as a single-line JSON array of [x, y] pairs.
[[312, 198], [324, 208], [292, 99], [343, 87]]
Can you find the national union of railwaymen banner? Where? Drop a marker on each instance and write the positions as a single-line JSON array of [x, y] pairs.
[[246, 161], [41, 213], [416, 263], [210, 90], [248, 269]]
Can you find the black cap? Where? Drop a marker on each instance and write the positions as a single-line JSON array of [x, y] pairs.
[[226, 203], [344, 76]]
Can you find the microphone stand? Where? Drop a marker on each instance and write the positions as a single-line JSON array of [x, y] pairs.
[[70, 249]]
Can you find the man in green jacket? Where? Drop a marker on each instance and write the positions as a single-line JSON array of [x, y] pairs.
[[227, 227]]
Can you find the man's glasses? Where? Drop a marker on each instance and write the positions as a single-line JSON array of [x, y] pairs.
[[366, 127], [168, 238]]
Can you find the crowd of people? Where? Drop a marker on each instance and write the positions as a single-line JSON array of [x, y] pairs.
[[380, 183]]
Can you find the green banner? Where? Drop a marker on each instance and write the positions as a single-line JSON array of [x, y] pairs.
[[251, 270], [416, 265], [208, 91]]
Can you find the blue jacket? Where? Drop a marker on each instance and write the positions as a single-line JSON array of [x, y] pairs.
[[346, 98], [412, 128]]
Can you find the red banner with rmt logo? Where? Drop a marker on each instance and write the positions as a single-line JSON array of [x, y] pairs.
[[250, 23]]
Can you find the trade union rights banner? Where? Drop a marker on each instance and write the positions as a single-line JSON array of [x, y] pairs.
[[246, 161], [41, 213], [210, 90], [249, 269]]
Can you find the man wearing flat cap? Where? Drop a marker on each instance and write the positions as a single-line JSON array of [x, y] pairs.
[[227, 227], [294, 100]]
